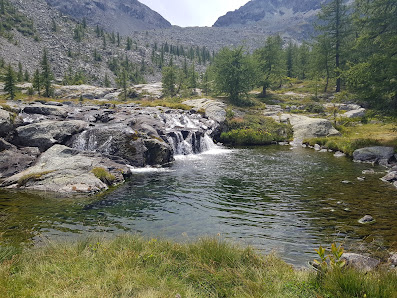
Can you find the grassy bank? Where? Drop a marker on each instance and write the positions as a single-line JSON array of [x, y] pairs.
[[359, 136], [133, 266]]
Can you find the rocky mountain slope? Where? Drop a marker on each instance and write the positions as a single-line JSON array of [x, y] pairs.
[[124, 16], [294, 17]]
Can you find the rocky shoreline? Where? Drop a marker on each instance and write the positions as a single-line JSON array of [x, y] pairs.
[[69, 147]]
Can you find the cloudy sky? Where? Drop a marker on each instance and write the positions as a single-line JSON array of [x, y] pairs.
[[186, 13]]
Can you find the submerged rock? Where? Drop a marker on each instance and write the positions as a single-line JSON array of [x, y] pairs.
[[367, 219], [65, 170], [390, 177], [360, 262]]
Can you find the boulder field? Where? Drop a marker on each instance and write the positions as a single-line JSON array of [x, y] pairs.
[[68, 147]]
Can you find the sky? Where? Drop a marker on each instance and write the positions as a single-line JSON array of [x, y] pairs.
[[188, 13]]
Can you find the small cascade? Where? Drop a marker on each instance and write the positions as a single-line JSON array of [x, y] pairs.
[[188, 134]]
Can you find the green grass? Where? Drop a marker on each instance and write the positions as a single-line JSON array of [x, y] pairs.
[[254, 129], [359, 136], [32, 177], [104, 175], [131, 266]]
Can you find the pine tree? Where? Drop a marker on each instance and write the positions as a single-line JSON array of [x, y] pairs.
[[118, 39], [9, 82], [84, 23], [2, 7], [106, 81], [37, 84], [335, 27], [129, 44], [104, 42], [122, 81], [46, 75], [20, 72], [169, 79], [270, 63], [234, 73], [26, 76]]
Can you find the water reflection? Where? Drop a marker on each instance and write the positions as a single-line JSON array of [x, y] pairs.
[[273, 198]]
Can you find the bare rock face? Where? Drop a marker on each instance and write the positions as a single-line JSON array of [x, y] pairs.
[[276, 15], [47, 133], [64, 170], [14, 160], [6, 122], [215, 110], [122, 16]]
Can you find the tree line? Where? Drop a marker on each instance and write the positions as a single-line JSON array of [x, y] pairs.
[[355, 49]]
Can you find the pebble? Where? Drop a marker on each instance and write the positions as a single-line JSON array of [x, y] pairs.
[[366, 219]]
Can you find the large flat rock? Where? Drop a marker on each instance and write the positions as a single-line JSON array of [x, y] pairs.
[[65, 170], [373, 154], [214, 109], [306, 127], [47, 133]]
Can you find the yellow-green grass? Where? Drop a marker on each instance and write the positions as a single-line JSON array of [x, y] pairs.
[[359, 136], [131, 266]]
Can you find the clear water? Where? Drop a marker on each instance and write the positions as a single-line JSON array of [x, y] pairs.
[[273, 198]]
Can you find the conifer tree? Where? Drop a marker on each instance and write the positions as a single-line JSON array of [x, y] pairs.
[[20, 72], [37, 84], [26, 76], [122, 81], [107, 81], [129, 44], [2, 7], [46, 75], [335, 27], [9, 82]]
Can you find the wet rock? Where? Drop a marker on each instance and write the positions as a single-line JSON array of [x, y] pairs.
[[317, 147], [373, 154], [47, 133], [339, 154], [6, 122], [215, 110], [390, 177], [346, 182], [64, 170], [46, 110], [13, 160], [360, 262], [367, 219], [4, 145], [361, 178], [138, 150]]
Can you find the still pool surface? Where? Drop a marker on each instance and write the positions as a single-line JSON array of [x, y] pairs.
[[273, 198]]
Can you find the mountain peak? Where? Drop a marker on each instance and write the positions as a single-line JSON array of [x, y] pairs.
[[123, 16]]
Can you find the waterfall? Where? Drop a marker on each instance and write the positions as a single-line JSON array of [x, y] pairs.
[[188, 134]]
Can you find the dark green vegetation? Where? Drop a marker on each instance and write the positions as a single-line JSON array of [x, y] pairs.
[[254, 129], [355, 50], [132, 266], [11, 19]]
